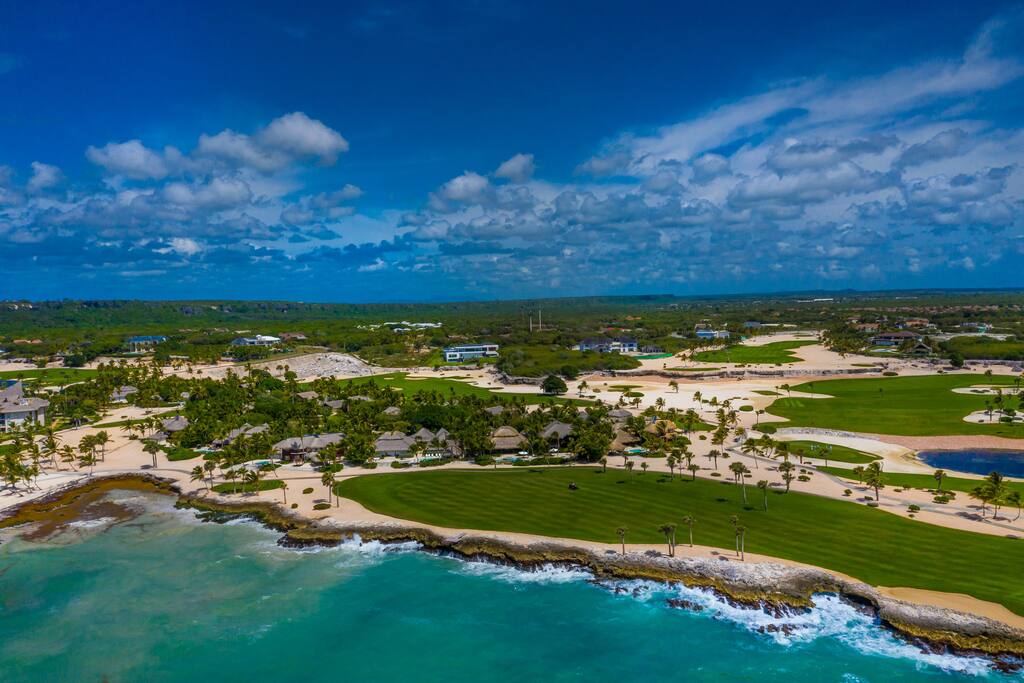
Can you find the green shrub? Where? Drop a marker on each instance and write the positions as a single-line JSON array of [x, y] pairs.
[[434, 462], [803, 477], [746, 409], [913, 508], [180, 453], [872, 504], [847, 493], [889, 373], [322, 506], [767, 429], [942, 500], [307, 491], [294, 505], [399, 465]]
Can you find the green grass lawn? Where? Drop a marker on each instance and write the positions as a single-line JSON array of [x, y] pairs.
[[909, 406], [238, 487], [766, 392], [400, 380], [49, 375], [920, 481], [815, 449], [181, 453], [872, 545], [774, 352], [538, 360]]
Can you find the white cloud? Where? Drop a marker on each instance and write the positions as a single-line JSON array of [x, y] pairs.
[[518, 169], [44, 176], [131, 159], [301, 136]]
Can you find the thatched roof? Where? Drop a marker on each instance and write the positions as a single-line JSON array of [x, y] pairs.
[[507, 439], [556, 429]]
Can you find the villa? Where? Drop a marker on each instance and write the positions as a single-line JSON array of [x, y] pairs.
[[144, 343], [304, 447], [121, 394], [464, 352], [507, 439], [395, 444], [712, 334], [258, 340], [609, 345], [245, 430], [895, 338], [16, 409]]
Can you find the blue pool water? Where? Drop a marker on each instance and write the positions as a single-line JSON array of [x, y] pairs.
[[164, 597], [977, 461]]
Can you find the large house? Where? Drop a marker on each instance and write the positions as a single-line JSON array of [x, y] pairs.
[[712, 334], [393, 444], [507, 439], [16, 409], [463, 352], [121, 394], [895, 338], [246, 430], [144, 343], [258, 340], [609, 345], [306, 446]]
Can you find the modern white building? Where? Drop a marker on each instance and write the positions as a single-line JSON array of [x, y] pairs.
[[258, 340], [462, 352], [16, 409], [712, 334]]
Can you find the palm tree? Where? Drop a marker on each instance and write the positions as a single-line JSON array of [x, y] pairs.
[[689, 521], [198, 474], [873, 477], [674, 385], [693, 470], [604, 463], [939, 476], [621, 531], [102, 439], [151, 448], [328, 480], [643, 466], [629, 466], [583, 386], [741, 540], [786, 469], [763, 485], [669, 531], [739, 470]]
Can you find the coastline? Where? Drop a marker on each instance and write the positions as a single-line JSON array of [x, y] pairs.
[[932, 621]]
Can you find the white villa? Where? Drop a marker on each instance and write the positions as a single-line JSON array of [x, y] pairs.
[[16, 408]]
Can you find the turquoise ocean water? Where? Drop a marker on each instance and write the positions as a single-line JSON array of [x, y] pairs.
[[165, 597]]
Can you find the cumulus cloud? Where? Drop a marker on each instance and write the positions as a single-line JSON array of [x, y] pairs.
[[44, 176], [131, 159], [518, 169]]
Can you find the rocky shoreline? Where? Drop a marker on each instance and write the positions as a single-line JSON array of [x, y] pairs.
[[775, 588], [768, 586]]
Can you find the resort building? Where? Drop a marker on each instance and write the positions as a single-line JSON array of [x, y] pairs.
[[464, 352], [121, 394], [609, 345], [258, 340], [246, 430], [393, 444], [507, 439], [305, 447], [712, 334], [16, 409], [895, 338], [144, 343]]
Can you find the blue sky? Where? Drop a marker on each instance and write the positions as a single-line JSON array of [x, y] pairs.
[[435, 151]]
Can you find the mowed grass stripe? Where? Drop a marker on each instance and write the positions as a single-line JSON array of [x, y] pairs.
[[908, 406], [872, 545]]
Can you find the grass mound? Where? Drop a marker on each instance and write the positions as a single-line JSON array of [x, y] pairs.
[[771, 353]]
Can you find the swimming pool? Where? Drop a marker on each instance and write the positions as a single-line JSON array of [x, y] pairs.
[[977, 461]]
